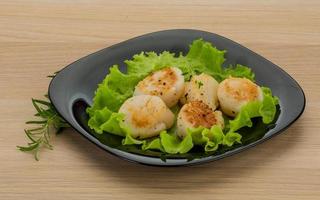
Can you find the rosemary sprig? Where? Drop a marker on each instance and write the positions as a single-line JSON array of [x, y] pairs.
[[50, 122]]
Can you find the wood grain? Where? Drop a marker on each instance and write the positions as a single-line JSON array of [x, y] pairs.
[[40, 37]]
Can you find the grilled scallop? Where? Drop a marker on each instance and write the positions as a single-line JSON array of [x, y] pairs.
[[168, 84], [201, 88], [146, 116], [233, 93], [195, 114]]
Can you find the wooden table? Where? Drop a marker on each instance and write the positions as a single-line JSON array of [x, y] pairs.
[[38, 38]]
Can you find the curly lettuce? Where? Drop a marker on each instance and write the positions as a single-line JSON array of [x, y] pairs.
[[201, 58], [113, 91], [266, 109], [236, 71]]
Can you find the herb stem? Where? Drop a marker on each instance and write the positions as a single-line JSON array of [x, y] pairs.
[[50, 122]]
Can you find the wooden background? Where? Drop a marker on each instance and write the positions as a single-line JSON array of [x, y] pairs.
[[38, 38]]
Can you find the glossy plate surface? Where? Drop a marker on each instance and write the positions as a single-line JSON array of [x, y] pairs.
[[72, 90]]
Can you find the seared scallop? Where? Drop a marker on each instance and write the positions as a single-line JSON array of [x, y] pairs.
[[146, 116], [197, 114], [233, 93], [201, 88], [168, 84]]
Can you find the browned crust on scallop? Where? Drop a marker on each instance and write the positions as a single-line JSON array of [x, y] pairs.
[[199, 114], [140, 121], [247, 91], [163, 83], [139, 117]]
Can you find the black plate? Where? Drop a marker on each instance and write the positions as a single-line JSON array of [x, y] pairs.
[[72, 90]]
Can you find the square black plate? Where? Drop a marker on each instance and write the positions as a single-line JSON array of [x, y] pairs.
[[72, 90]]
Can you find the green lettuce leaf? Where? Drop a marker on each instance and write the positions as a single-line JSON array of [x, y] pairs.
[[237, 71], [173, 144], [98, 118], [144, 63], [210, 57], [154, 144], [201, 58], [112, 125], [150, 143], [113, 91], [265, 109], [209, 138], [169, 143], [106, 121], [231, 138]]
